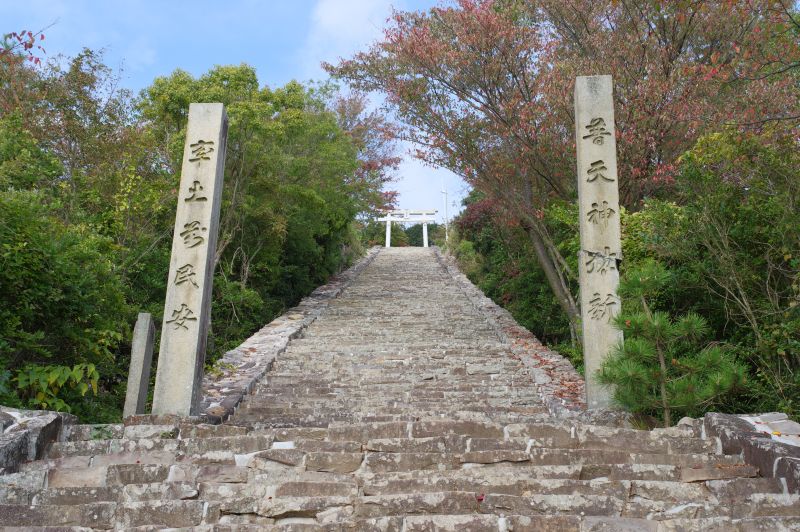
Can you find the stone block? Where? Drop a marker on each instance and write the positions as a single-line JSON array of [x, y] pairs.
[[164, 514], [90, 477], [222, 473], [136, 432], [702, 473], [316, 489], [97, 515], [333, 462], [288, 457], [543, 523], [427, 429], [390, 462], [308, 507], [440, 444], [618, 524], [13, 451], [451, 523], [152, 457], [139, 370], [162, 491], [416, 504], [372, 431], [42, 428], [76, 495], [120, 474]]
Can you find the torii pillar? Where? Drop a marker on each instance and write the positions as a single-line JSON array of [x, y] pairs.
[[424, 234], [388, 232]]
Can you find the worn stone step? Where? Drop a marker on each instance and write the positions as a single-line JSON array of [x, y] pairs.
[[399, 409], [95, 515]]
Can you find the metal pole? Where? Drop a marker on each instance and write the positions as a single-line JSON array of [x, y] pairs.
[[446, 223]]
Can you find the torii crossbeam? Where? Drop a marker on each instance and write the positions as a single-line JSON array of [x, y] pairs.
[[408, 216]]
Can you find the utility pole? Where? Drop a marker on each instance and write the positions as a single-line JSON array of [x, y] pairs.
[[446, 222]]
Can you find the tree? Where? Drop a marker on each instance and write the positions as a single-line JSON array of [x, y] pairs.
[[373, 136], [484, 88], [302, 163], [414, 233], [663, 367], [88, 178]]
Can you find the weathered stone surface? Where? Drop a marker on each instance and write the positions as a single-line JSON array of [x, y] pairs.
[[540, 523], [78, 478], [171, 514], [27, 435], [79, 495], [695, 474], [97, 515], [121, 474], [299, 506], [413, 504], [95, 432], [187, 307], [401, 407], [552, 504], [13, 451], [158, 491], [139, 370], [386, 462], [451, 523], [599, 222], [334, 462]]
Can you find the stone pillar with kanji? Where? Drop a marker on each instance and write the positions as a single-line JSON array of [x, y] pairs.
[[599, 211], [187, 311]]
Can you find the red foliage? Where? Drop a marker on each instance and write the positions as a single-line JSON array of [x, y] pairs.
[[22, 45], [374, 138], [485, 87]]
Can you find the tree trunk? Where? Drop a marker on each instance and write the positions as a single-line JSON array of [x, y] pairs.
[[544, 255], [554, 279]]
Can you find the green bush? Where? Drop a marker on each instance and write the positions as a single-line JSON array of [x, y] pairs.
[[725, 229], [665, 365], [60, 299], [62, 306], [47, 387]]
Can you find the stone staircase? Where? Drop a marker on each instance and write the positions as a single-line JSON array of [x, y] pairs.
[[399, 409]]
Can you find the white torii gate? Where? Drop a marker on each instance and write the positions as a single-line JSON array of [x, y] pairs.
[[408, 216]]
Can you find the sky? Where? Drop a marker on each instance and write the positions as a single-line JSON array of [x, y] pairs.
[[282, 39]]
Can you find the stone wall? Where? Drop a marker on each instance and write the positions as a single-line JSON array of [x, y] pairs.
[[26, 434]]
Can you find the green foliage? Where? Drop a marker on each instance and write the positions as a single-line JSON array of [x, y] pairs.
[[664, 366], [88, 178], [44, 386], [23, 164], [726, 230], [435, 235], [374, 234], [60, 298]]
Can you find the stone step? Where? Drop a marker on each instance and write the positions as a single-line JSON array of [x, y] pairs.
[[497, 483], [399, 409], [413, 345]]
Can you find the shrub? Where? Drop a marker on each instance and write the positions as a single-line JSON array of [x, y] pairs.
[[664, 366]]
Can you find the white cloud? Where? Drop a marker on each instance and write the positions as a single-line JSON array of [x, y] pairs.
[[339, 28], [140, 54]]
